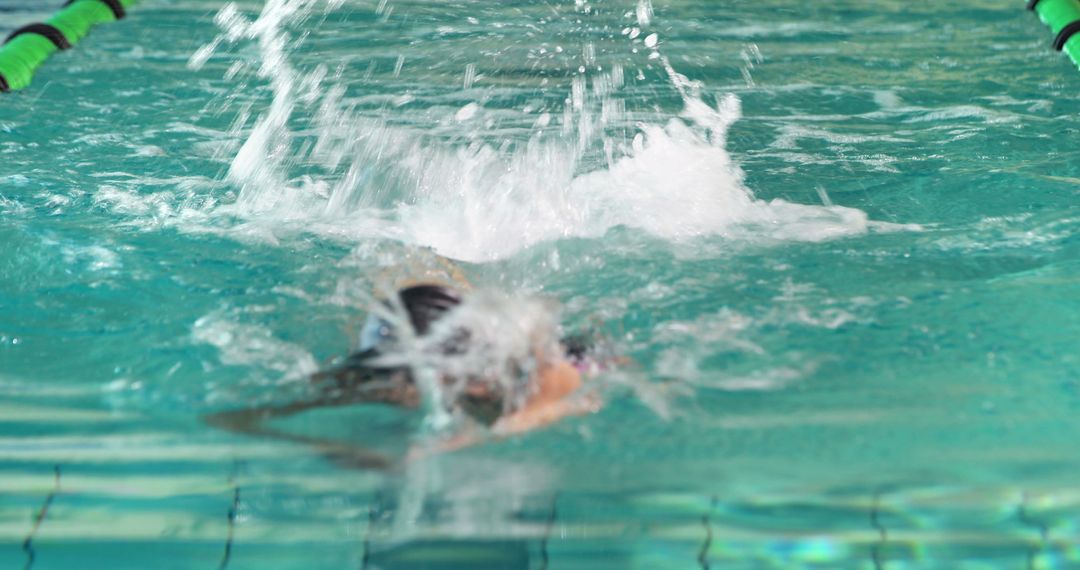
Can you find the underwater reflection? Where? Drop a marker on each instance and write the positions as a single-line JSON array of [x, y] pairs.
[[431, 516]]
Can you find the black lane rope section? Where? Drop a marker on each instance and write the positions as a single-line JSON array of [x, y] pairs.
[[877, 550], [4, 87], [1044, 532], [114, 5], [43, 512], [46, 31], [373, 517], [234, 509], [553, 514], [706, 521], [1065, 35]]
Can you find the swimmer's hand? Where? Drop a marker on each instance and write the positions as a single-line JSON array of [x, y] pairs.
[[538, 416], [468, 438], [557, 396]]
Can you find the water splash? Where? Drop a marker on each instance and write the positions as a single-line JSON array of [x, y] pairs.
[[260, 166], [498, 340], [483, 181], [575, 174], [253, 345]]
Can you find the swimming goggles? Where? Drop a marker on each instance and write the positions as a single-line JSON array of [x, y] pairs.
[[375, 333]]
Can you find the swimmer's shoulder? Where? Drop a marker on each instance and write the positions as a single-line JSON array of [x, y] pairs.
[[358, 379]]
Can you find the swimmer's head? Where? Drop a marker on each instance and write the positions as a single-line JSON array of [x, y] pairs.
[[425, 305]]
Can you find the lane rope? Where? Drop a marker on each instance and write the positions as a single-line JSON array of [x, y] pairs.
[[114, 5], [29, 47], [51, 33], [1063, 19]]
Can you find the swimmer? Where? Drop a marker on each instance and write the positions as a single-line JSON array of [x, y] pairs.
[[525, 395]]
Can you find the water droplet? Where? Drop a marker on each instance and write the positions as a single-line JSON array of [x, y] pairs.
[[470, 75], [467, 112], [644, 12]]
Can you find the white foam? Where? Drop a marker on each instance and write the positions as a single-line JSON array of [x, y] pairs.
[[253, 345], [95, 257], [472, 200], [678, 183], [506, 337]]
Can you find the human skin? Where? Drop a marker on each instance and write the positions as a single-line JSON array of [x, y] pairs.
[[553, 399], [555, 396]]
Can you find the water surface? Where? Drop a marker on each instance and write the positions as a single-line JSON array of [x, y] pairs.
[[836, 240]]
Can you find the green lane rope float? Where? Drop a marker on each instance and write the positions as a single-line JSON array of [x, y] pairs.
[[1063, 17], [28, 47]]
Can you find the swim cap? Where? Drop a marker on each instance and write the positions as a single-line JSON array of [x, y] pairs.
[[424, 304]]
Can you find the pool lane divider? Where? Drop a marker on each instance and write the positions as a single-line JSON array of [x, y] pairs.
[[27, 48], [1063, 18]]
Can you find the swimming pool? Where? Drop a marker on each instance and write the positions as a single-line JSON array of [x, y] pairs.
[[836, 239]]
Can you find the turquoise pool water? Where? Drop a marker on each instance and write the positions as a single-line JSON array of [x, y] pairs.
[[836, 239]]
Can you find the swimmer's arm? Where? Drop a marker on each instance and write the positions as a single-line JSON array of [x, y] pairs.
[[525, 420], [531, 418], [467, 438], [251, 421], [557, 397]]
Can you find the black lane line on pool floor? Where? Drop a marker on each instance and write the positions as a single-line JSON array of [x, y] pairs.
[[373, 517], [553, 514], [28, 544], [706, 521], [877, 550], [1044, 532], [234, 508]]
